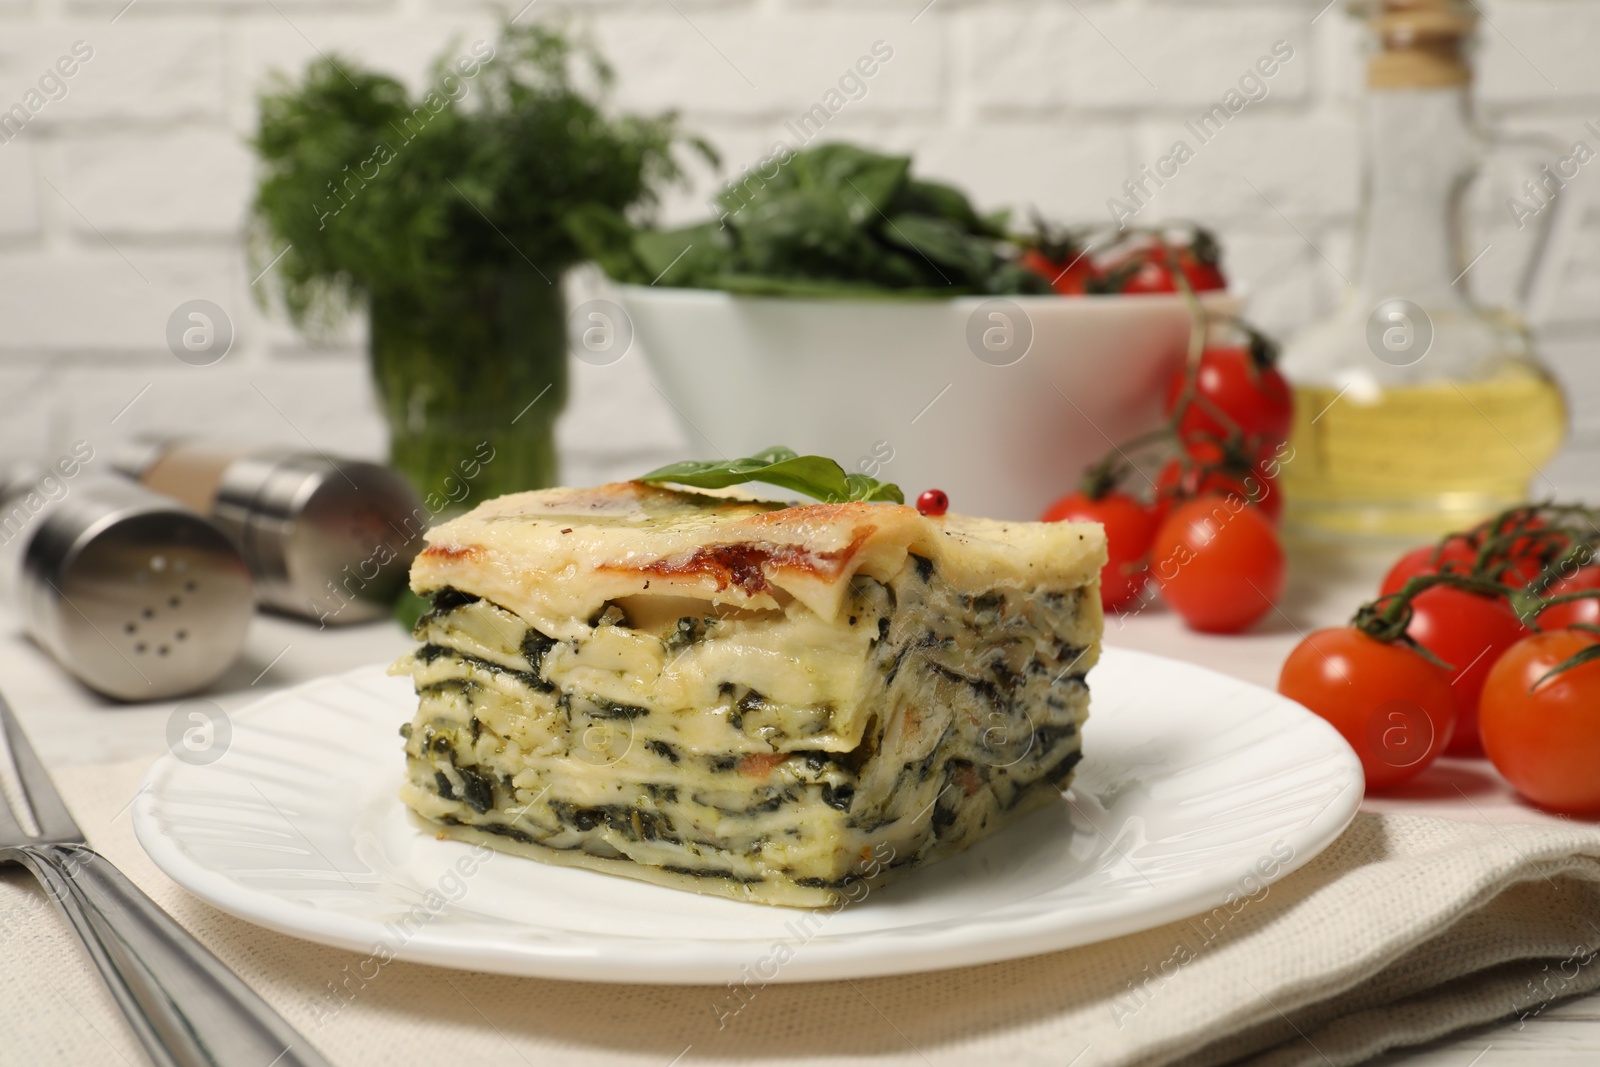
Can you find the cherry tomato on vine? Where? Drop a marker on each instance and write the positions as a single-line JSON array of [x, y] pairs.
[[1256, 399], [1130, 528], [1206, 473], [1544, 736], [1470, 632], [1457, 554], [1523, 570], [1587, 610], [1219, 563], [1147, 270], [1039, 263], [1529, 542], [1393, 707], [1523, 563], [1204, 276], [1069, 277], [1145, 274]]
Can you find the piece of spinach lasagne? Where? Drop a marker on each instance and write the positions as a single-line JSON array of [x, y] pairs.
[[741, 697]]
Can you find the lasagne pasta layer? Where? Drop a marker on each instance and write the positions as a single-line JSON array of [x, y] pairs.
[[740, 697]]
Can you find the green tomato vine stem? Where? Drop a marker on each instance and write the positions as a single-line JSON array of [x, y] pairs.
[[1113, 468], [1562, 537]]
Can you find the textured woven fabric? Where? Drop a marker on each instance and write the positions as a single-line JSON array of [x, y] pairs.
[[1405, 929]]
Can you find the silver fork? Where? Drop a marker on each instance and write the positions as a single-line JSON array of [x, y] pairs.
[[188, 1009]]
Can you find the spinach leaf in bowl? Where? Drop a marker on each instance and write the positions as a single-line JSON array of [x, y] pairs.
[[834, 220]]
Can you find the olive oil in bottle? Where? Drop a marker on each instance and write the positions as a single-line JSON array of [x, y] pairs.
[[1418, 412], [1419, 461]]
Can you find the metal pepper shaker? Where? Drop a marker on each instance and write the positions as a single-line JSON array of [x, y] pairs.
[[135, 595], [327, 539]]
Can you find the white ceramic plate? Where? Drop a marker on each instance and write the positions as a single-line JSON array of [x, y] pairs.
[[1194, 787]]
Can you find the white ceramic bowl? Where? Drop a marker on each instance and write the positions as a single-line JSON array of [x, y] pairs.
[[1001, 402]]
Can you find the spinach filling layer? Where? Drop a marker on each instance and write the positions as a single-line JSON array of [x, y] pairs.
[[977, 704]]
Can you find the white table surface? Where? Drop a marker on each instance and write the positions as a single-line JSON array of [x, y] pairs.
[[69, 725]]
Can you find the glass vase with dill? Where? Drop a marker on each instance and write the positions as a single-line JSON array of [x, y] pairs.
[[446, 216]]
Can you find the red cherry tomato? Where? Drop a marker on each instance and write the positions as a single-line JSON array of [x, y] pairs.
[[1393, 707], [1144, 275], [1219, 563], [1205, 475], [1070, 277], [1521, 562], [1544, 736], [1130, 527], [1256, 399], [1523, 570], [1148, 271], [1470, 632], [1456, 554], [1527, 554], [1039, 263], [1587, 610], [1203, 277]]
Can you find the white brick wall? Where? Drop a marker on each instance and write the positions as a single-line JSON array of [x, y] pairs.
[[127, 195]]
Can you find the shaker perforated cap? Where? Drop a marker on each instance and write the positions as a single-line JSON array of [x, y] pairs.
[[135, 595]]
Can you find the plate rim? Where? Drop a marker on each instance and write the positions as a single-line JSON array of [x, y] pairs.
[[659, 961]]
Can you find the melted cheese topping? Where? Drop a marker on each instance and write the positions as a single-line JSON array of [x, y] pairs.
[[555, 557]]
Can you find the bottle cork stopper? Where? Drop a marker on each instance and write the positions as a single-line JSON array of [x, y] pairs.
[[1421, 44]]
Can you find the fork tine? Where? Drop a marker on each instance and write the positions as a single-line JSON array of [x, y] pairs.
[[51, 815]]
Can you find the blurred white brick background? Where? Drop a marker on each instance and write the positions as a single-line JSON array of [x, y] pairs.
[[128, 195]]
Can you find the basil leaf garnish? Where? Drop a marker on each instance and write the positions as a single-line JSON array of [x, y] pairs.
[[815, 476]]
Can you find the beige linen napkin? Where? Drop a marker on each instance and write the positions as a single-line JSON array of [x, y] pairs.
[[1406, 928]]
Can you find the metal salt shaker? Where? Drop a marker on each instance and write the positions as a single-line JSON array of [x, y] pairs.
[[137, 596]]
